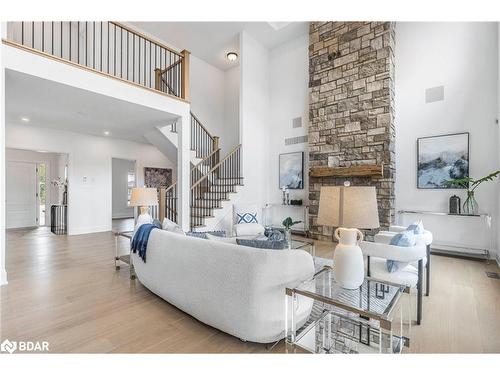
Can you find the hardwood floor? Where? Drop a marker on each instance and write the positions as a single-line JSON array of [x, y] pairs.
[[65, 290]]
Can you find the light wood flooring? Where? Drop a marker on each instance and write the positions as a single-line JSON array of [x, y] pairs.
[[65, 290]]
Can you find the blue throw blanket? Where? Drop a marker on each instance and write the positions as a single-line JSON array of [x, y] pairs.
[[141, 237]]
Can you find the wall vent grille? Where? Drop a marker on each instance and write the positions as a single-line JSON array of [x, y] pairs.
[[296, 140], [297, 122]]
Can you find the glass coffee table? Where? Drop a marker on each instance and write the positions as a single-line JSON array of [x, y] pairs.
[[304, 244], [365, 320]]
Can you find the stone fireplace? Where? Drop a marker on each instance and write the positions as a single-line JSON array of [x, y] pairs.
[[351, 110]]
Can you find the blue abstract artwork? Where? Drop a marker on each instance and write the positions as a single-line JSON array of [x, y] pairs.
[[292, 170], [442, 158]]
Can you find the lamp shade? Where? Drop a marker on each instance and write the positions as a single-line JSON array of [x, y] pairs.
[[350, 207], [144, 197]]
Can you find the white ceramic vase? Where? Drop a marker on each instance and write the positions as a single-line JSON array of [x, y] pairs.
[[348, 264]]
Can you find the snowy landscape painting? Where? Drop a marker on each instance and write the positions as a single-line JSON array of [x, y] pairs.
[[442, 158], [291, 170]]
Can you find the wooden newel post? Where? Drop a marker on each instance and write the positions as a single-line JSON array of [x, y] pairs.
[[215, 147], [162, 203], [158, 79], [185, 74]]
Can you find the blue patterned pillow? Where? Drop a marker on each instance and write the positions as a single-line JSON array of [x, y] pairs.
[[263, 244], [246, 218], [403, 239], [417, 227], [218, 233]]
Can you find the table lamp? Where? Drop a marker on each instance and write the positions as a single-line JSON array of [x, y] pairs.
[[143, 198], [348, 208]]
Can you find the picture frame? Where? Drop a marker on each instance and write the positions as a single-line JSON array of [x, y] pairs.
[[157, 177], [441, 158], [291, 170]]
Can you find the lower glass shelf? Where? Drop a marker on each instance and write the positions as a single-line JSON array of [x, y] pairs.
[[336, 333]]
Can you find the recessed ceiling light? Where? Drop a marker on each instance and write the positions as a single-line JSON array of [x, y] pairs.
[[25, 119], [106, 132], [232, 56]]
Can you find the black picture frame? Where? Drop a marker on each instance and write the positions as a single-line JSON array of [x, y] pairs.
[[441, 187], [301, 185]]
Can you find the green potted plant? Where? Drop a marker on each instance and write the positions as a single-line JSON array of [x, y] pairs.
[[470, 206], [288, 223]]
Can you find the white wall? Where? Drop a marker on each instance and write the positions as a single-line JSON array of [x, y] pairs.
[[119, 184], [53, 171], [464, 58], [3, 274], [230, 138], [89, 169], [289, 79], [254, 119]]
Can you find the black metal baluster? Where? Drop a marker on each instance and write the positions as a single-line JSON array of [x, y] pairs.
[[70, 41], [32, 34], [114, 52], [128, 37], [78, 42], [93, 45], [100, 56], [86, 43], [43, 36], [61, 25]]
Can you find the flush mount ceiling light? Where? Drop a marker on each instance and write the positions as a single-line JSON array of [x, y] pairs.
[[25, 119], [106, 132], [232, 56]]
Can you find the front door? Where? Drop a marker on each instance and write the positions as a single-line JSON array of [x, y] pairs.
[[21, 195]]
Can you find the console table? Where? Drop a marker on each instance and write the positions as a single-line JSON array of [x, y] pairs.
[[275, 213], [458, 249]]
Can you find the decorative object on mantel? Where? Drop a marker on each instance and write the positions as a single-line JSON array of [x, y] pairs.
[[296, 202], [441, 158], [470, 205], [348, 208], [288, 223], [454, 205], [291, 170], [354, 171]]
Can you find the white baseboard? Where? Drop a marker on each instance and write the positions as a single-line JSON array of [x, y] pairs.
[[87, 230], [123, 216]]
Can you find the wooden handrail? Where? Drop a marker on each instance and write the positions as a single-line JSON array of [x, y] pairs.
[[173, 65], [148, 38], [204, 159], [201, 125], [216, 166]]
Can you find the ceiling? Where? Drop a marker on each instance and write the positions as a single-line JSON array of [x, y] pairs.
[[53, 105], [211, 41]]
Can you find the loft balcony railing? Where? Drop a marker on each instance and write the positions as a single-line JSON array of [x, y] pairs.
[[109, 48]]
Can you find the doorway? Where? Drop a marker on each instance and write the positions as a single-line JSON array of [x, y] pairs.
[[35, 181], [124, 179]]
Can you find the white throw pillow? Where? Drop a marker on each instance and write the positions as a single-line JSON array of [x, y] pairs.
[[250, 229], [231, 240], [171, 226]]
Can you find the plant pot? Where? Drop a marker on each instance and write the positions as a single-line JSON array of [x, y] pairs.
[[470, 206]]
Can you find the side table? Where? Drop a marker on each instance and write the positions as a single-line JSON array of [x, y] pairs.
[[125, 258]]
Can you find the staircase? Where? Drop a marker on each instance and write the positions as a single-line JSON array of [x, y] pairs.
[[212, 179]]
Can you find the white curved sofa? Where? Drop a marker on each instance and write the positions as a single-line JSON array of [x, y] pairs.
[[239, 290]]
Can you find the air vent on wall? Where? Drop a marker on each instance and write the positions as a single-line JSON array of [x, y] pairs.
[[296, 140], [297, 122], [434, 94]]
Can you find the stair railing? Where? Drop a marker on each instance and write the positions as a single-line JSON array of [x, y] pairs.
[[201, 139], [108, 48], [168, 196], [214, 186]]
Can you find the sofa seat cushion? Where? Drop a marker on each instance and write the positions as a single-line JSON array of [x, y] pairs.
[[407, 275]]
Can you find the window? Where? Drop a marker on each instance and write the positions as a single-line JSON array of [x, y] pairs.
[[130, 185]]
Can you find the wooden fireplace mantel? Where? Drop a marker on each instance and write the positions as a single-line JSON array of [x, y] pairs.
[[355, 171]]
